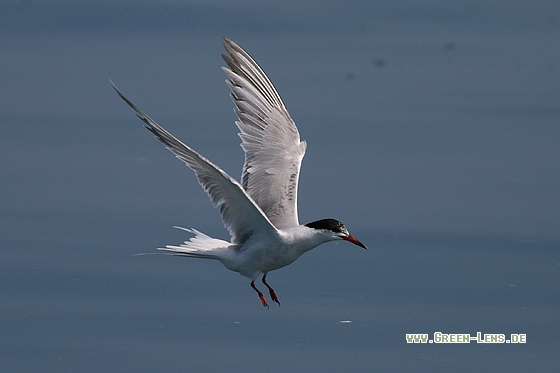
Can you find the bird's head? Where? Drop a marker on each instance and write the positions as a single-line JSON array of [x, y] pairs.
[[336, 229]]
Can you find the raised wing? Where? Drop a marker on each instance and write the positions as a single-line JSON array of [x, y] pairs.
[[241, 215], [270, 139]]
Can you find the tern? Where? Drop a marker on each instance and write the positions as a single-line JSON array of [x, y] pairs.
[[260, 212]]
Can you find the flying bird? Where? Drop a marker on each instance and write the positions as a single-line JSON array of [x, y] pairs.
[[260, 211]]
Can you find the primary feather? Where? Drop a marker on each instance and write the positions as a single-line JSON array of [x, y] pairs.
[[241, 216], [270, 139]]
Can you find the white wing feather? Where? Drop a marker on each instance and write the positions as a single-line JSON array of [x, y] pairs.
[[270, 139], [240, 214]]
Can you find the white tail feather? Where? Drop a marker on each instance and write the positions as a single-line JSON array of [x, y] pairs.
[[199, 246]]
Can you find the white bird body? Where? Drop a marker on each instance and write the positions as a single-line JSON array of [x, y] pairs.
[[264, 254], [260, 213], [260, 253]]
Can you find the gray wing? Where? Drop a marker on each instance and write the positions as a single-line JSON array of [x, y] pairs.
[[270, 139], [240, 214]]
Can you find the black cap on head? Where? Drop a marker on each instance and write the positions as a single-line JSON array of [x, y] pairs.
[[335, 226], [328, 224]]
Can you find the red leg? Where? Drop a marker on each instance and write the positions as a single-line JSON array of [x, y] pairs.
[[263, 299], [271, 290]]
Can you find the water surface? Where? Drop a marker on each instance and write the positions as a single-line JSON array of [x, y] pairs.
[[433, 134]]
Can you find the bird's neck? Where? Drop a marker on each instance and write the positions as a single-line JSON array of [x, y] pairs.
[[304, 238]]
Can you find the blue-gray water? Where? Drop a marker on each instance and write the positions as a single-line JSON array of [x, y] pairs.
[[434, 134]]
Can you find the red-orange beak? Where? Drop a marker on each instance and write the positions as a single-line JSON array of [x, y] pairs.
[[354, 240]]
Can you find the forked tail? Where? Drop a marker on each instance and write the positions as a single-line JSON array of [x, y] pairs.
[[199, 246]]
